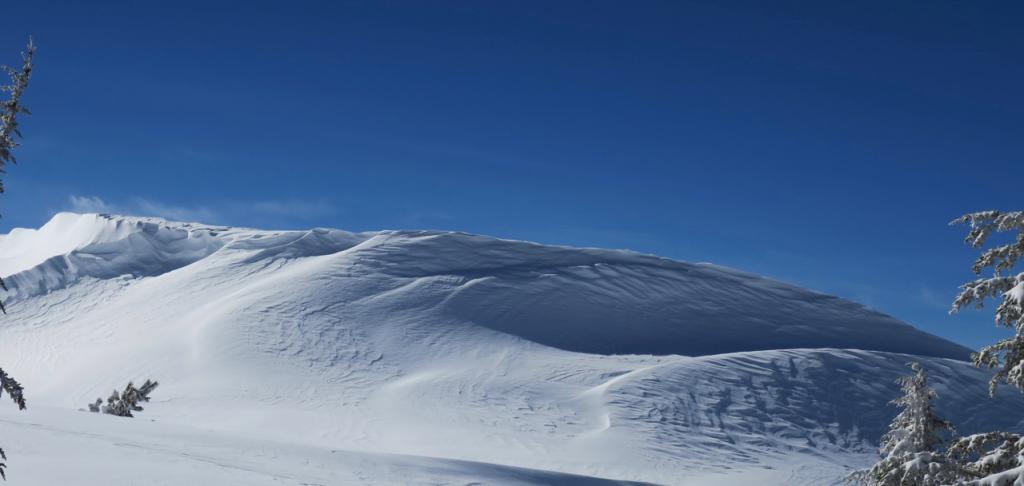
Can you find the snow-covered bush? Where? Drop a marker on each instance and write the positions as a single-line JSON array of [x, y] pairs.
[[124, 403], [910, 449]]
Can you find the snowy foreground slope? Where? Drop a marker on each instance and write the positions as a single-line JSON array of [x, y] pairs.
[[412, 357]]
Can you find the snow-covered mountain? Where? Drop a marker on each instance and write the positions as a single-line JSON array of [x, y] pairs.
[[329, 357]]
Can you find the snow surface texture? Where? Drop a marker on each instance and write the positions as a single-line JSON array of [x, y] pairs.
[[420, 357]]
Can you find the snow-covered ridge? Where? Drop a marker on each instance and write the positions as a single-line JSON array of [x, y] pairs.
[[71, 247], [588, 300], [65, 233], [459, 347]]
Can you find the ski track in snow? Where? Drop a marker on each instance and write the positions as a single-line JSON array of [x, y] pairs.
[[418, 357]]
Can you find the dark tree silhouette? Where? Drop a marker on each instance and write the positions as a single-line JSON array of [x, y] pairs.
[[9, 133]]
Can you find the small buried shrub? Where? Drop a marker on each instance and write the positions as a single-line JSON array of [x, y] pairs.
[[124, 403]]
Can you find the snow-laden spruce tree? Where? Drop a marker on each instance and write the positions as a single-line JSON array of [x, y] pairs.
[[12, 107], [1006, 355], [124, 403], [910, 450], [995, 458], [992, 458], [9, 111], [15, 391]]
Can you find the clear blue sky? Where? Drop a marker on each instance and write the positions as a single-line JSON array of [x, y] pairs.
[[822, 143]]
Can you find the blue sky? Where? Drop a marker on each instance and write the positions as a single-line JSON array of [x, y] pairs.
[[822, 143]]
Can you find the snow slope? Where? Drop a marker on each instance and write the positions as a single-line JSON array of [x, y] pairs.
[[429, 357], [92, 449]]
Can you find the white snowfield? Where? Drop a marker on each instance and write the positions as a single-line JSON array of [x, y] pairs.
[[325, 357]]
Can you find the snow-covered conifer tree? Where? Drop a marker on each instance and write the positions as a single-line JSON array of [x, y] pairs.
[[910, 449], [12, 107], [9, 111], [995, 457], [1008, 354]]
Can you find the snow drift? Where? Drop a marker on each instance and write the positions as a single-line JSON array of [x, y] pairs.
[[587, 300], [590, 362]]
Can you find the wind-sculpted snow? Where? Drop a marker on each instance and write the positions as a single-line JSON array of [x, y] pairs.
[[586, 300], [462, 348], [99, 247], [804, 401]]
